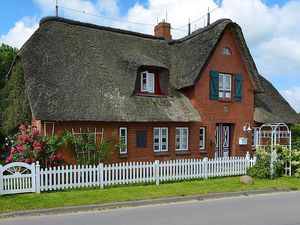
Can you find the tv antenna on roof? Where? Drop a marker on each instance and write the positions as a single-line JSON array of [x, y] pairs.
[[56, 8]]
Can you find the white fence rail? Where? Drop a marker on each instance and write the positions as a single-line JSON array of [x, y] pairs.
[[121, 173]]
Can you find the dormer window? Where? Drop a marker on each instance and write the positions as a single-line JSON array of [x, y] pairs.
[[147, 82]]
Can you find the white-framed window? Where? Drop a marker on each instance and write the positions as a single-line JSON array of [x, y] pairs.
[[182, 138], [224, 86], [147, 82], [123, 140], [254, 136], [202, 138], [160, 139]]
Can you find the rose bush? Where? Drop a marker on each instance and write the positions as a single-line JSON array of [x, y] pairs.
[[30, 146]]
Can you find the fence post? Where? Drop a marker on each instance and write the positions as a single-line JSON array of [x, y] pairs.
[[100, 175], [247, 160], [38, 178], [205, 164], [1, 180], [156, 167]]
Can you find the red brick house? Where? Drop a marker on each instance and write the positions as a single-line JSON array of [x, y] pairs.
[[167, 99]]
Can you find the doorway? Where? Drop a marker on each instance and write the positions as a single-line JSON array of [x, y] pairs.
[[222, 140]]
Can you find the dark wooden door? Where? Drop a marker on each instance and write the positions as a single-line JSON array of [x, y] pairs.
[[222, 140]]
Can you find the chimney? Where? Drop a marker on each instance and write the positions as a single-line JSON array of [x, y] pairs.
[[163, 30]]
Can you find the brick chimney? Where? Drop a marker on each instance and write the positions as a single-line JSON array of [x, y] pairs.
[[163, 30]]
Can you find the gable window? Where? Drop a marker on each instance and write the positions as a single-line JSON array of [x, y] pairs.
[[181, 138], [147, 82], [226, 51], [123, 140], [160, 139], [224, 86], [202, 138], [221, 86]]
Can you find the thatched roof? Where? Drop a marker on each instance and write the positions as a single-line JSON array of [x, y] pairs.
[[77, 71], [271, 107], [83, 72]]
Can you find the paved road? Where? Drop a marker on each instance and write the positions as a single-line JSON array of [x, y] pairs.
[[274, 209]]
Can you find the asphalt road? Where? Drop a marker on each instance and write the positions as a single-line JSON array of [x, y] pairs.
[[272, 209]]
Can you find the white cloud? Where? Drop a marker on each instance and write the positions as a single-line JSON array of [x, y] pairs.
[[24, 28], [72, 9], [20, 33], [292, 95], [178, 12]]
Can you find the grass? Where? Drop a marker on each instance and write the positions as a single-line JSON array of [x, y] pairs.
[[77, 197]]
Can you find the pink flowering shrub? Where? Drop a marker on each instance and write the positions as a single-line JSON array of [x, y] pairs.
[[30, 146]]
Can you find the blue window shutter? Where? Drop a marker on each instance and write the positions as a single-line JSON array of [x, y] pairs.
[[214, 85], [238, 87]]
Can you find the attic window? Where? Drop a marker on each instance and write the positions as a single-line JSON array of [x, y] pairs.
[[147, 82], [226, 51]]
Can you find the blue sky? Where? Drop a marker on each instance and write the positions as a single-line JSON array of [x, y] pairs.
[[270, 27]]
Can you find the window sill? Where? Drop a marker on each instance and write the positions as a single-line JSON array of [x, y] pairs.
[[202, 151], [151, 95], [182, 152], [161, 153], [226, 100], [123, 156]]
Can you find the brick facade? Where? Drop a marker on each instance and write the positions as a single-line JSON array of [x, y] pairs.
[[211, 112]]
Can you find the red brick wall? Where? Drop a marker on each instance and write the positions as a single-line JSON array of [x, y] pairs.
[[134, 153], [212, 112]]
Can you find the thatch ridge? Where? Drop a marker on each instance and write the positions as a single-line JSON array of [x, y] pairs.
[[94, 26]]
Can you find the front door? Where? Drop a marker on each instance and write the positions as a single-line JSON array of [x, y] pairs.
[[222, 140]]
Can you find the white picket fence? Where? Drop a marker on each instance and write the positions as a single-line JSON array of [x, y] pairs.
[[121, 173]]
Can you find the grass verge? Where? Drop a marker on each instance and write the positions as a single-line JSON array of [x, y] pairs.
[[10, 203]]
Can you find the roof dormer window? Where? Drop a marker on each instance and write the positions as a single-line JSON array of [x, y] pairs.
[[147, 82]]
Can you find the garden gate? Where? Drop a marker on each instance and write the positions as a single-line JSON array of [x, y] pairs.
[[17, 177]]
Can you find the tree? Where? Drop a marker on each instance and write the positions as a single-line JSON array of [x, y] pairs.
[[7, 55]]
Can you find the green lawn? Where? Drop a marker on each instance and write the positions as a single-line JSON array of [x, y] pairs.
[[75, 197]]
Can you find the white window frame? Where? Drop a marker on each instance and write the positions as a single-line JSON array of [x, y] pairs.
[[123, 150], [150, 81], [181, 144], [254, 137], [160, 139], [225, 90], [203, 129]]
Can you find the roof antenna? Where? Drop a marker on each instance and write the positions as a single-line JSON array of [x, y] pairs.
[[189, 27], [208, 17], [166, 16], [56, 9]]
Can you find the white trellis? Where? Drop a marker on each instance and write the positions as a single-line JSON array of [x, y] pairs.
[[83, 152], [275, 133]]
